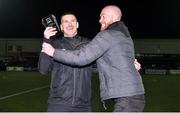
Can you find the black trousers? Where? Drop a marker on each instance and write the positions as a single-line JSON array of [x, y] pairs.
[[62, 108], [134, 103]]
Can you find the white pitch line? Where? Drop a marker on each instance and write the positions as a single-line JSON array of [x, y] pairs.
[[27, 91]]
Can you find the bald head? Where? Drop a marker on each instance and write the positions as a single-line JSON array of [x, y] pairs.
[[113, 11], [109, 15]]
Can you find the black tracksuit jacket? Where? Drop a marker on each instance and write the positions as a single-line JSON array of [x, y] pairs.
[[70, 85]]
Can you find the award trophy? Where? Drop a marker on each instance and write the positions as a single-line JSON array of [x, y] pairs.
[[50, 21]]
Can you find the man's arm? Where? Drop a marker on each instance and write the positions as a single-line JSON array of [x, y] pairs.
[[44, 63], [87, 54]]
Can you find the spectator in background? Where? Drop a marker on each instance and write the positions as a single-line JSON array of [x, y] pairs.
[[113, 50]]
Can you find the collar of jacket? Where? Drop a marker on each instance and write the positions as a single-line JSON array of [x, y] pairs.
[[119, 26], [74, 37], [71, 40]]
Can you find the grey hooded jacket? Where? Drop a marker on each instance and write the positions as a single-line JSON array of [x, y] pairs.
[[113, 50]]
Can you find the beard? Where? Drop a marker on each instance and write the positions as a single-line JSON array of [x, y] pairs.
[[104, 26]]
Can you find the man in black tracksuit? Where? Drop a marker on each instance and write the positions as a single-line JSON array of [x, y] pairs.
[[70, 89]]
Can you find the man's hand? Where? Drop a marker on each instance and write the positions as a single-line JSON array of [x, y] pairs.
[[137, 64], [49, 31], [48, 49]]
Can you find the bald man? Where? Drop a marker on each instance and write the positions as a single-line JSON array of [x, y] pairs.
[[113, 50]]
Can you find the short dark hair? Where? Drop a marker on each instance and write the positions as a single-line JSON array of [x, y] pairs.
[[67, 13]]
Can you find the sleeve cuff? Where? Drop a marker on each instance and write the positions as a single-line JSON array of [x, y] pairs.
[[46, 40]]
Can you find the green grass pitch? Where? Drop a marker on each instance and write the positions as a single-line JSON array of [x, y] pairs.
[[28, 92]]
